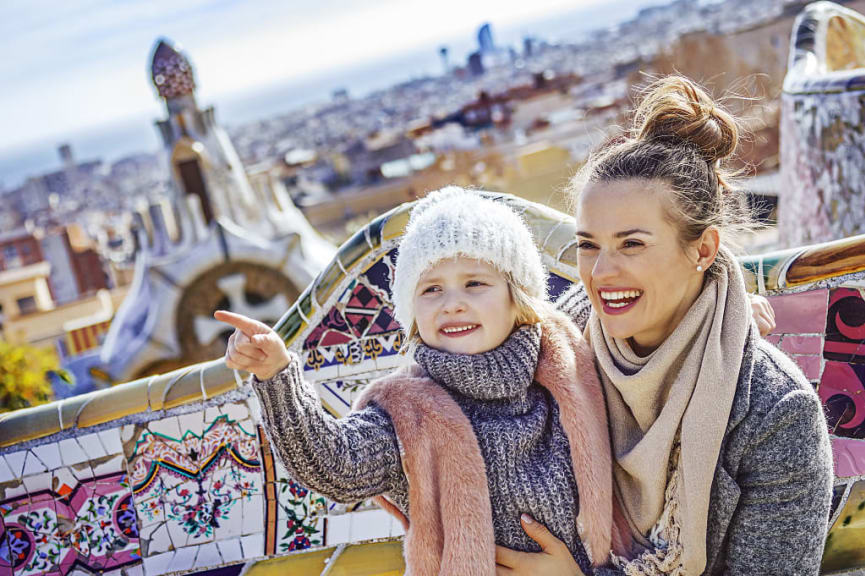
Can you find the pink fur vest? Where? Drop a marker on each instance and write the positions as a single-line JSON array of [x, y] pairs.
[[451, 529]]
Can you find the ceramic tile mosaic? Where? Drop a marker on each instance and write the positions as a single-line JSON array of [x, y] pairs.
[[844, 544], [849, 457], [294, 516], [845, 326], [360, 326], [196, 488], [803, 313], [87, 527], [842, 390]]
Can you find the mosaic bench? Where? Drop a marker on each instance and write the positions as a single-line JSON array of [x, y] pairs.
[[173, 473]]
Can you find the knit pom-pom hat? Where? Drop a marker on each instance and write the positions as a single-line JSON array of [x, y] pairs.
[[455, 222]]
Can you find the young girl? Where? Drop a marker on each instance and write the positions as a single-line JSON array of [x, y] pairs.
[[502, 415]]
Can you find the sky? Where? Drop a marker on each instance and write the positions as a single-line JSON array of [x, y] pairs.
[[71, 65], [78, 71]]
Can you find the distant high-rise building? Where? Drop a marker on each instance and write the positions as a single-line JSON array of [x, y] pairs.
[[476, 64], [66, 156], [528, 46], [340, 96], [443, 53], [485, 39]]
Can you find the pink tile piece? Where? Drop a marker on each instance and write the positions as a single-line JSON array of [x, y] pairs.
[[773, 339], [802, 344], [803, 313], [810, 365], [849, 457]]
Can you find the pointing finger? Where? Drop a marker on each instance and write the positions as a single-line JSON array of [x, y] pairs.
[[248, 326]]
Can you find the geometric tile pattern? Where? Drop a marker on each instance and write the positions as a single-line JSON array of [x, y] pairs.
[[360, 325]]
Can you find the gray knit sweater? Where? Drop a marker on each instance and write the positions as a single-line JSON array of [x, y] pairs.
[[515, 420], [770, 498]]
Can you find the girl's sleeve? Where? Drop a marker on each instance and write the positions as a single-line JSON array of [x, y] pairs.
[[346, 459], [575, 303]]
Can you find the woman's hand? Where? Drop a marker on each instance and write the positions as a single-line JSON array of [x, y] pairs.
[[254, 346], [763, 314], [554, 559]]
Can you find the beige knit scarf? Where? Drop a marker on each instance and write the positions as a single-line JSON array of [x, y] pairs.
[[687, 383]]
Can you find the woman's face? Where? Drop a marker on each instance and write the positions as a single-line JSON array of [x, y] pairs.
[[464, 306], [640, 279]]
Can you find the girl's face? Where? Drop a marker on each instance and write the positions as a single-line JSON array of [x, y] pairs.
[[463, 306], [640, 280]]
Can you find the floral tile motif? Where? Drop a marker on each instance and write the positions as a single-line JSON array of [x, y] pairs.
[[842, 390], [300, 522], [198, 488], [845, 327], [294, 515], [87, 527]]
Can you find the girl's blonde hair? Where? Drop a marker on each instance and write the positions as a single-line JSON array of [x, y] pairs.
[[530, 310]]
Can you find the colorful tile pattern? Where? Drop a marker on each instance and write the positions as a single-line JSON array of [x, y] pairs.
[[87, 527], [200, 486], [845, 326], [360, 326], [842, 390]]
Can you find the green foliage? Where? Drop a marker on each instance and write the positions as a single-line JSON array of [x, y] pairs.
[[25, 376]]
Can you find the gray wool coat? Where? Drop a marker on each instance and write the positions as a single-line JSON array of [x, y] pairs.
[[772, 490]]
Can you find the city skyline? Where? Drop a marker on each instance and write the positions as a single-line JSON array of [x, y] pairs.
[[83, 69]]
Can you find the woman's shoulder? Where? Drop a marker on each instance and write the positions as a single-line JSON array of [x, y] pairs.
[[775, 375], [777, 390]]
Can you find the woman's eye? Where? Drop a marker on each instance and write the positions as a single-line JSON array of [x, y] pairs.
[[585, 245], [632, 244]]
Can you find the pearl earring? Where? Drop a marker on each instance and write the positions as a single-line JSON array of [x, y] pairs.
[[699, 268]]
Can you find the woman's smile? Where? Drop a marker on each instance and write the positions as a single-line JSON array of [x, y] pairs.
[[618, 300]]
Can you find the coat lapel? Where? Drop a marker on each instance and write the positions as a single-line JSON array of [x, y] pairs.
[[725, 491]]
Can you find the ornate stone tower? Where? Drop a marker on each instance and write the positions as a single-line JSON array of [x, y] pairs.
[[223, 242], [202, 160]]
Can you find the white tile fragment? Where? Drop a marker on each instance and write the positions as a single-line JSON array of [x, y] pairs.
[[71, 452], [253, 545], [230, 550], [208, 555], [33, 465], [184, 558], [15, 460], [111, 441], [92, 446], [49, 454], [159, 564]]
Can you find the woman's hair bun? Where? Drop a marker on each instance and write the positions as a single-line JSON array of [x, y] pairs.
[[674, 109]]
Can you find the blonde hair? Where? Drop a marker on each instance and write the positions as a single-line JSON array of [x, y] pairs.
[[530, 310]]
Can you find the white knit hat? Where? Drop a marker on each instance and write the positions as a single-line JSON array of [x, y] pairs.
[[456, 222]]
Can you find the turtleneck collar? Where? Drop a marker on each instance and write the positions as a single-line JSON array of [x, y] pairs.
[[503, 373]]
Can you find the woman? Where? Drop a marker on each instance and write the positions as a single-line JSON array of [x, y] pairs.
[[721, 456]]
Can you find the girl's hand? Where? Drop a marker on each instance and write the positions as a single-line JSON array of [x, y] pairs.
[[763, 314], [554, 559], [254, 346]]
